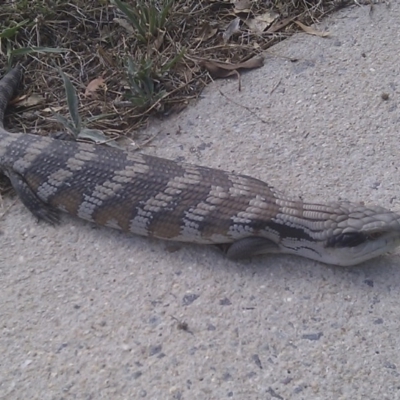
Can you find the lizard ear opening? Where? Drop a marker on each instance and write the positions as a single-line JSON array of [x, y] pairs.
[[348, 239]]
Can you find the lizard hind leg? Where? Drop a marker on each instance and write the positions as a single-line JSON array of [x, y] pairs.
[[41, 210]]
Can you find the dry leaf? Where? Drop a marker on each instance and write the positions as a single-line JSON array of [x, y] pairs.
[[255, 62], [232, 28], [28, 101], [261, 22], [219, 69], [94, 85], [207, 32], [242, 6], [52, 109], [159, 40], [278, 25], [311, 31], [125, 24], [188, 74], [105, 57]]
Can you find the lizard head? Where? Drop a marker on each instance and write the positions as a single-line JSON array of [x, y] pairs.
[[344, 233]]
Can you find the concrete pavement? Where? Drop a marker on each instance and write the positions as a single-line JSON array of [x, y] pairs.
[[89, 313]]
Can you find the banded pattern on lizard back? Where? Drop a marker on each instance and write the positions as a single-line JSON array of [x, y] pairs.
[[161, 198]]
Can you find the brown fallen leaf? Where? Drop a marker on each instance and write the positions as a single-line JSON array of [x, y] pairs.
[[233, 27], [259, 23], [278, 25], [105, 57], [207, 32], [159, 40], [94, 85], [125, 24], [219, 69], [242, 6], [254, 62], [52, 109], [28, 101], [311, 31]]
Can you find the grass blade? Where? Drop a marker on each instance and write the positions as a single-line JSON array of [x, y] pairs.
[[72, 101]]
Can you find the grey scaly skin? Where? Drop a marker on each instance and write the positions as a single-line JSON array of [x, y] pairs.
[[165, 199]]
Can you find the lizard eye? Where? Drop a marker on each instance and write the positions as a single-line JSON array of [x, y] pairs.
[[348, 239], [374, 235]]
